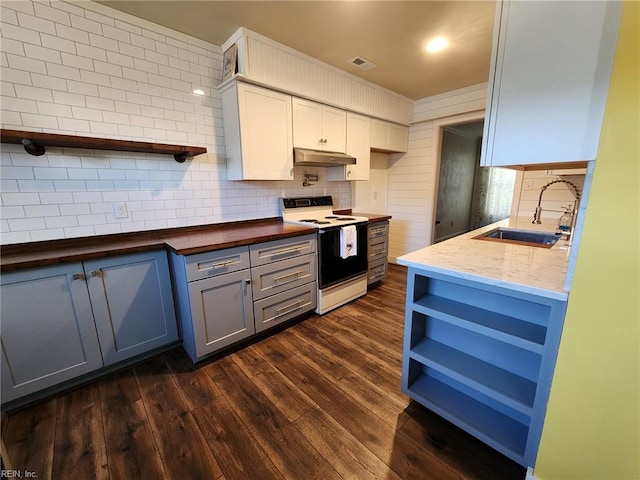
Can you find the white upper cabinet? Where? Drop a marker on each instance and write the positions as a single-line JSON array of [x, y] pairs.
[[389, 137], [359, 146], [258, 134], [548, 82], [319, 127]]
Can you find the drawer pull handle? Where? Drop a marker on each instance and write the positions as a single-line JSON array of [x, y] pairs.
[[296, 306], [79, 276], [96, 273], [224, 264], [288, 275], [286, 251]]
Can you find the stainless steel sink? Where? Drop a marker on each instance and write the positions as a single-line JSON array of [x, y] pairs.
[[531, 238]]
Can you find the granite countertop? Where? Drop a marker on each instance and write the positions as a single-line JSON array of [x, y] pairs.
[[540, 271], [184, 241]]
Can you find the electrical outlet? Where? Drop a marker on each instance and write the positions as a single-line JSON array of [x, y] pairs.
[[375, 194], [120, 210]]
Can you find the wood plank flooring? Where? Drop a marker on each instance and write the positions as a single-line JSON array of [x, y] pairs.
[[318, 399]]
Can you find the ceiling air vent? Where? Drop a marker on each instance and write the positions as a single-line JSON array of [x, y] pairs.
[[362, 63]]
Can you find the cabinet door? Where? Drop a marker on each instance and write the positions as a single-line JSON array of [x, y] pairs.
[[549, 81], [48, 332], [398, 138], [221, 311], [389, 137], [307, 125], [359, 146], [132, 304], [334, 129], [262, 128], [319, 127]]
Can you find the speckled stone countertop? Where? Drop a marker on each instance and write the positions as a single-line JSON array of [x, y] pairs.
[[535, 270]]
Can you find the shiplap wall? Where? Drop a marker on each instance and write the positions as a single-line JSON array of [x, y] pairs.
[[83, 68], [413, 175]]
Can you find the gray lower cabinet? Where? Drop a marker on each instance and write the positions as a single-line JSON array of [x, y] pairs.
[[214, 299], [225, 296], [284, 280], [63, 321], [132, 303], [378, 251]]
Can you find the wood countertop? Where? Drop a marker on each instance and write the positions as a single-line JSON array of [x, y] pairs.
[[373, 217], [183, 241]]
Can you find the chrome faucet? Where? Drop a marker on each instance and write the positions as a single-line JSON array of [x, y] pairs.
[[576, 193]]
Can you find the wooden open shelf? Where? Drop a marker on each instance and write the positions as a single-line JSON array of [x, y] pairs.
[[35, 143]]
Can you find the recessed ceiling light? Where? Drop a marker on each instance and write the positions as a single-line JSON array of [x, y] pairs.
[[437, 44]]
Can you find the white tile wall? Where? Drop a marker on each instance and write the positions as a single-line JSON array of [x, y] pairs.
[[90, 70]]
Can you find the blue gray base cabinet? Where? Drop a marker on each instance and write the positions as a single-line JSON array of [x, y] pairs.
[[482, 357], [378, 251], [215, 304], [64, 321], [228, 295]]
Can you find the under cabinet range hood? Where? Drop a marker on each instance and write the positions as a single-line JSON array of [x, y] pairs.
[[319, 158]]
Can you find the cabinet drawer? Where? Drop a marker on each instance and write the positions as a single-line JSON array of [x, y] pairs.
[[378, 229], [276, 309], [377, 271], [378, 248], [276, 250], [277, 277], [210, 264]]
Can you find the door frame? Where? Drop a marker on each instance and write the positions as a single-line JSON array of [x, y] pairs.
[[439, 125]]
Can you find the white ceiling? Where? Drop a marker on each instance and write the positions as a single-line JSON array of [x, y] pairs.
[[391, 34]]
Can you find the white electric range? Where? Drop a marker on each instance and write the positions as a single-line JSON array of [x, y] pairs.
[[342, 252]]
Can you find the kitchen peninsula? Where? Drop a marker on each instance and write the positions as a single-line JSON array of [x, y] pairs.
[[482, 327]]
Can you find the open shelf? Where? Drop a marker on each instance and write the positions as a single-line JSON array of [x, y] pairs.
[[35, 143], [495, 428], [502, 327], [481, 356], [506, 387]]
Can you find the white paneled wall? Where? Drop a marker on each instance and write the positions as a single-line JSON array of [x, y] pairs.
[[82, 68], [413, 175], [411, 190]]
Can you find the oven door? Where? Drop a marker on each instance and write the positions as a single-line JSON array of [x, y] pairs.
[[334, 269]]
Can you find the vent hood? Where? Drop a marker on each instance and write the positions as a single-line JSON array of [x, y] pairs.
[[319, 158]]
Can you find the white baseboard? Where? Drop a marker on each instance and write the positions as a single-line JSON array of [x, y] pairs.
[[530, 475]]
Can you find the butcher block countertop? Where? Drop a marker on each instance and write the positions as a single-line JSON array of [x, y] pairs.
[[183, 241], [373, 217]]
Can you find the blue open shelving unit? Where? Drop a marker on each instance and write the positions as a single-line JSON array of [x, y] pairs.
[[482, 356]]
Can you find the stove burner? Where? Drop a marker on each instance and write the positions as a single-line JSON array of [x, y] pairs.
[[345, 218], [331, 216]]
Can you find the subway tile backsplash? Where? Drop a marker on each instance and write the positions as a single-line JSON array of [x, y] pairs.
[[92, 71]]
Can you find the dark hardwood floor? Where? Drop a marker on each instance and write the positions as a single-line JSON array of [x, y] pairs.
[[318, 399]]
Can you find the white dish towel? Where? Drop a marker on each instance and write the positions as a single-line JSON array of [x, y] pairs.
[[348, 241]]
